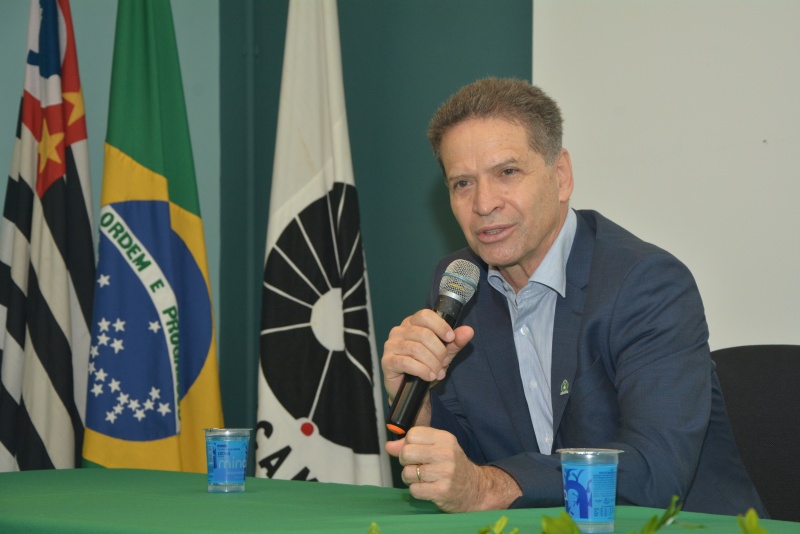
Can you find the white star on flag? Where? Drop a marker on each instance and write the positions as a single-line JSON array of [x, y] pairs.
[[138, 409], [104, 280]]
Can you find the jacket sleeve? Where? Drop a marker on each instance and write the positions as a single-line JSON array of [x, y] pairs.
[[658, 346]]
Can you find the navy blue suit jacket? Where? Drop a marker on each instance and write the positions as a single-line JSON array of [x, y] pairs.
[[630, 348]]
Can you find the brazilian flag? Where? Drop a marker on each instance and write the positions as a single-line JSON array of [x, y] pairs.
[[153, 378]]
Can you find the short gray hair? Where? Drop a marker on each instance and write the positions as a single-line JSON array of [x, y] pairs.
[[514, 100]]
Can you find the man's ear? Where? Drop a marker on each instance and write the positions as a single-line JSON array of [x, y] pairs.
[[562, 168]]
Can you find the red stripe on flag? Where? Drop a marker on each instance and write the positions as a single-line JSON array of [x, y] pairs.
[[72, 94], [32, 114]]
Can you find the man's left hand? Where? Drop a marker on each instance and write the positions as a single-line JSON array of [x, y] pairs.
[[436, 469]]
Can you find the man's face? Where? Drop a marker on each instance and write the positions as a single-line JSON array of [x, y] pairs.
[[509, 202]]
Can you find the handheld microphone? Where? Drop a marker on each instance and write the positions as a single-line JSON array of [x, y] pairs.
[[459, 283]]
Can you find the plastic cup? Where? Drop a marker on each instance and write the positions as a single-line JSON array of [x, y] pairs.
[[590, 487], [226, 453]]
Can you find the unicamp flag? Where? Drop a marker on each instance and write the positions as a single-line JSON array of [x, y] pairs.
[[46, 256], [320, 414], [154, 383]]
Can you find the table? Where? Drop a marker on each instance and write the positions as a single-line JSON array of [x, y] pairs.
[[123, 500]]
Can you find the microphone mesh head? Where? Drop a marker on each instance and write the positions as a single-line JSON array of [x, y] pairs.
[[460, 280]]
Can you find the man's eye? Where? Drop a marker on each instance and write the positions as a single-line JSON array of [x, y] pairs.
[[460, 184], [509, 172]]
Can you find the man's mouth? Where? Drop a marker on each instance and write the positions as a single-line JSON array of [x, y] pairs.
[[492, 233]]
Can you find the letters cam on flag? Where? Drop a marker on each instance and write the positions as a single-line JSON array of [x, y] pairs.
[[46, 257], [153, 379], [320, 414]]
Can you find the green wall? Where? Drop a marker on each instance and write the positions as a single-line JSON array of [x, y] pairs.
[[401, 59]]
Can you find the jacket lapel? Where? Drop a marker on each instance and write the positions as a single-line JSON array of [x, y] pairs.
[[497, 346], [569, 313]]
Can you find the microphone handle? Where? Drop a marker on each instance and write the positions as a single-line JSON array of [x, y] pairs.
[[411, 394]]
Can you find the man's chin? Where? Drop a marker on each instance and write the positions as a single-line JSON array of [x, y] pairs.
[[493, 260]]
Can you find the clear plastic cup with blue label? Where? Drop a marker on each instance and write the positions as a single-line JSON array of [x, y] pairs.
[[226, 453], [590, 487]]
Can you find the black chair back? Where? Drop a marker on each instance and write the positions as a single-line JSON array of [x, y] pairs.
[[761, 387]]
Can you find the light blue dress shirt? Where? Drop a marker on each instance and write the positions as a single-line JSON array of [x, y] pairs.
[[533, 312]]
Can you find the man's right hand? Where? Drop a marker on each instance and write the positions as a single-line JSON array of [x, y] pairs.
[[423, 345]]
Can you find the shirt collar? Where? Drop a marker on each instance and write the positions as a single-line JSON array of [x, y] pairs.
[[552, 272]]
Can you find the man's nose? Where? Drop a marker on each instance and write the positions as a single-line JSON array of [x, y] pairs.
[[486, 199]]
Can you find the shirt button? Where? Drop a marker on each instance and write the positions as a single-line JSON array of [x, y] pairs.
[[524, 331], [548, 440], [533, 384]]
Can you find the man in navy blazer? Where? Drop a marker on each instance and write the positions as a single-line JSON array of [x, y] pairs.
[[579, 335]]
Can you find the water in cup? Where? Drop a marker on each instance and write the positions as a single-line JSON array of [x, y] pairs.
[[590, 487], [226, 453]]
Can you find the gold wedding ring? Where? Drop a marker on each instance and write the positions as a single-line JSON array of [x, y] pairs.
[[419, 476]]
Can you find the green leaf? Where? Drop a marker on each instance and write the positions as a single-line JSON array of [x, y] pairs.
[[669, 515], [374, 528], [563, 524], [749, 523], [651, 526], [498, 527]]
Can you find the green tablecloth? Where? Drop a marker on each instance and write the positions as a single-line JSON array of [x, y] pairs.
[[121, 500]]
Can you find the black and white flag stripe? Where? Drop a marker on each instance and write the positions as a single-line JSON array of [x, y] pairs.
[[46, 262]]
